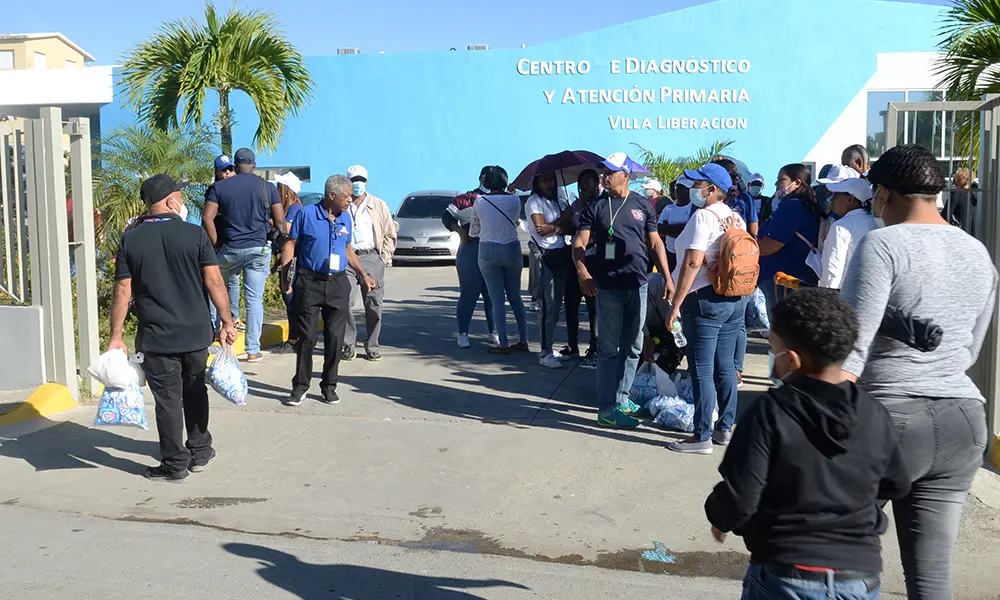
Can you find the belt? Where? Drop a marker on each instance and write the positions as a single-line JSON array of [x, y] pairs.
[[320, 276], [364, 252], [871, 580]]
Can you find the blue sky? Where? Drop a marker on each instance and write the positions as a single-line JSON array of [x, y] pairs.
[[108, 28]]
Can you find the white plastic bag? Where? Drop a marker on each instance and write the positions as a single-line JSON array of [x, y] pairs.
[[122, 406], [226, 377], [116, 370], [664, 385], [676, 415]]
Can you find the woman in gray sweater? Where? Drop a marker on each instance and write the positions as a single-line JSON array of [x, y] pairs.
[[921, 267]]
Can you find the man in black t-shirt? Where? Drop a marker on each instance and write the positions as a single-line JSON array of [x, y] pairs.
[[622, 226], [169, 267]]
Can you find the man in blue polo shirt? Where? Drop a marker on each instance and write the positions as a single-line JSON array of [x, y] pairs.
[[321, 244], [249, 206], [622, 225]]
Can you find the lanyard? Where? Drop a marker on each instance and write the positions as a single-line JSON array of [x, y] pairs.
[[614, 215]]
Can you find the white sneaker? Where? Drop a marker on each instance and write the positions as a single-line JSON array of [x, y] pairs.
[[463, 341], [494, 340], [549, 360], [533, 307]]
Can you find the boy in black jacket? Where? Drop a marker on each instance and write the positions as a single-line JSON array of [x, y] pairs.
[[808, 464]]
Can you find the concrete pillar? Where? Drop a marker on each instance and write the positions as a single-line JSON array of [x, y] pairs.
[[83, 246]]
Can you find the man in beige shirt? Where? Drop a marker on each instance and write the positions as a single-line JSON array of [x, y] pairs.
[[374, 241]]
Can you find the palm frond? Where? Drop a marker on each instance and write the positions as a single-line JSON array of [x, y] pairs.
[[130, 155], [242, 50], [667, 169]]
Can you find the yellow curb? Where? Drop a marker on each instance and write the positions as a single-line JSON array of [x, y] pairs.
[[995, 459], [49, 399]]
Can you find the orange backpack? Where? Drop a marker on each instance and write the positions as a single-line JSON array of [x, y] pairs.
[[736, 272]]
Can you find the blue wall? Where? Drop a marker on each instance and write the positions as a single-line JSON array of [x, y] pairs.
[[431, 120]]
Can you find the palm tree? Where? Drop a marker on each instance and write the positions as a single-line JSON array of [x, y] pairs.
[[970, 66], [130, 155], [668, 169], [242, 51]]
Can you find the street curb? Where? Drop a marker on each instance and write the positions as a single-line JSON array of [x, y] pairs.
[[47, 400]]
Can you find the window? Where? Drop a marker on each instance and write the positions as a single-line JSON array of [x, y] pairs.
[[929, 129], [40, 61], [6, 59], [70, 64]]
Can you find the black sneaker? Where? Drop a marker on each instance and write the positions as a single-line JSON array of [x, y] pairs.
[[286, 348], [294, 400], [374, 355], [158, 473], [349, 353], [202, 467], [569, 352], [331, 397]]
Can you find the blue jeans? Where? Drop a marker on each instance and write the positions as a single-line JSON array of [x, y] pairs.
[[254, 264], [712, 326], [471, 286], [501, 266], [758, 585], [620, 317]]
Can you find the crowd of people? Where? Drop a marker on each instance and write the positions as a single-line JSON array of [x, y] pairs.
[[870, 401]]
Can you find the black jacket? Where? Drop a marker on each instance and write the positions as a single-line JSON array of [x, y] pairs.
[[803, 475]]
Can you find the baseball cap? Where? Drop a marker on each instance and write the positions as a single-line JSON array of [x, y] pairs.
[[838, 173], [223, 162], [756, 178], [245, 156], [855, 186], [619, 161], [715, 174], [156, 188], [357, 171], [683, 180], [290, 180], [653, 185]]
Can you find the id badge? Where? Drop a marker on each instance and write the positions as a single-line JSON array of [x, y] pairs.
[[334, 263], [609, 251]]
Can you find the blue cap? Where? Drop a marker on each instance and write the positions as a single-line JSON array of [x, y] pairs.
[[619, 161], [715, 174], [223, 162]]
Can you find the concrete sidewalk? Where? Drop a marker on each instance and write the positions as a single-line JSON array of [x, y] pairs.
[[433, 447]]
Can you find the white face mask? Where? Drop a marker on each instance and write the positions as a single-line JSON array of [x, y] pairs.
[[878, 215], [778, 381], [182, 212], [755, 190], [358, 188]]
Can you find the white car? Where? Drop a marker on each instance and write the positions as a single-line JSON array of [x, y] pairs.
[[421, 236]]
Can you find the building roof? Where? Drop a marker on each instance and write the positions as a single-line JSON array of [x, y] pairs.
[[13, 37]]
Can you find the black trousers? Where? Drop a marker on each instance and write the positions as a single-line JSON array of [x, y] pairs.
[[178, 385], [573, 298], [316, 294]]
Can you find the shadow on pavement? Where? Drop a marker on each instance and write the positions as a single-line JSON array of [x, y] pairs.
[[72, 446], [350, 582]]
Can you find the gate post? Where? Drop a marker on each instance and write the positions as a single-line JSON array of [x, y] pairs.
[[83, 246]]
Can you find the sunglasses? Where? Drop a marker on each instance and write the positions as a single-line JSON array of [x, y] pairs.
[[229, 169]]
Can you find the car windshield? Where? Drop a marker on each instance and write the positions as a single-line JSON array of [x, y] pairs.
[[424, 207]]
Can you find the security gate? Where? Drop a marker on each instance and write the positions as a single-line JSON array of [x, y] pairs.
[[36, 249]]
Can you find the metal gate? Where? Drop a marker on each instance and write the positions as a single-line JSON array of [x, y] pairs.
[[964, 135], [35, 238]]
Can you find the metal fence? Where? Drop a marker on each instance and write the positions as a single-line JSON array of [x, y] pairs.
[[35, 237], [969, 135]]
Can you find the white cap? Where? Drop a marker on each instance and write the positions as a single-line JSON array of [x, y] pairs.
[[357, 171], [839, 173], [855, 186], [756, 178], [653, 185], [683, 180], [290, 180]]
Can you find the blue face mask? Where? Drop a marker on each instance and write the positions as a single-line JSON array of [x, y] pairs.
[[358, 188], [699, 197]]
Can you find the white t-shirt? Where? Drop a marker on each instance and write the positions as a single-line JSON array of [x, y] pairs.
[[704, 232], [675, 215], [840, 243], [550, 211], [494, 218]]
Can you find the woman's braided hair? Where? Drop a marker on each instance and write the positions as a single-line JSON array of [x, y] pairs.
[[909, 170]]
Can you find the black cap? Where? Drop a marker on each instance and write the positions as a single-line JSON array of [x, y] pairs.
[[245, 156], [157, 187]]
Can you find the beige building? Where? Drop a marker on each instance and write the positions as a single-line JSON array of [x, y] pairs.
[[40, 51]]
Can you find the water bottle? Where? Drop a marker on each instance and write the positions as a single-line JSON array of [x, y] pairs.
[[679, 340]]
